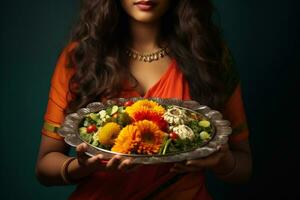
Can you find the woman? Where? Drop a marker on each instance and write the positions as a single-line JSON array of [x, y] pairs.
[[148, 48]]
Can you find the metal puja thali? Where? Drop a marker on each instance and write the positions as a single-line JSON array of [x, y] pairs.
[[74, 128]]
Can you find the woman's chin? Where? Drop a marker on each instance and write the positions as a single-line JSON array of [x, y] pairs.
[[145, 18]]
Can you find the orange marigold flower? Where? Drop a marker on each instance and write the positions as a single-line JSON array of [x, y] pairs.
[[149, 137], [108, 133], [126, 141], [143, 105], [151, 116]]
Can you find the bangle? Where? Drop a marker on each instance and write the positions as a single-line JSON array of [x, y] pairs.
[[64, 170]]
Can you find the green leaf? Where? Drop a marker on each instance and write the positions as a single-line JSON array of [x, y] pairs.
[[86, 137], [108, 110], [95, 143], [123, 119], [166, 146], [95, 116], [82, 130]]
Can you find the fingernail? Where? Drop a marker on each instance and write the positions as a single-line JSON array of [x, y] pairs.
[[188, 163], [180, 165], [100, 156]]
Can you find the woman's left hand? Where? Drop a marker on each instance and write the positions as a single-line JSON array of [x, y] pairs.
[[221, 162]]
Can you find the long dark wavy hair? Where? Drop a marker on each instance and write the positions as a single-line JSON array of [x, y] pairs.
[[102, 34]]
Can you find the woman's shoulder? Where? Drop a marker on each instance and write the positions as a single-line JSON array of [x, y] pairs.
[[64, 68], [66, 56]]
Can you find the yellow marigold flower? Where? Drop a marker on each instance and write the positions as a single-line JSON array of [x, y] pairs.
[[126, 141], [149, 137], [144, 105], [108, 133]]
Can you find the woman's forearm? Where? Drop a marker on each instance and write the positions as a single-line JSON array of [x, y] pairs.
[[48, 169], [241, 170]]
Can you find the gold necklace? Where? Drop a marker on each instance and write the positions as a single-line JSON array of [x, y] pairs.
[[148, 57]]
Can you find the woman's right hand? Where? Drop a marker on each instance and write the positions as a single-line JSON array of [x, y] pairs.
[[85, 161], [87, 165], [97, 162]]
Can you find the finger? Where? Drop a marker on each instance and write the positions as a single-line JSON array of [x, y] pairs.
[[178, 171], [203, 163], [180, 168], [126, 165], [206, 162], [114, 162], [95, 160], [80, 151], [185, 168]]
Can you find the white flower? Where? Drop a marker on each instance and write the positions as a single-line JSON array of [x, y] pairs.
[[102, 114], [205, 136], [95, 136], [184, 132]]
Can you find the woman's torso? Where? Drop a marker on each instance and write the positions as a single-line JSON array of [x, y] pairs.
[[147, 181]]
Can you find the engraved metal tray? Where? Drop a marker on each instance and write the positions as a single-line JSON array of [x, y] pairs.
[[221, 130]]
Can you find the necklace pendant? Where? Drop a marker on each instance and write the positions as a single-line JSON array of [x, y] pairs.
[[140, 58], [152, 57], [148, 57], [134, 56]]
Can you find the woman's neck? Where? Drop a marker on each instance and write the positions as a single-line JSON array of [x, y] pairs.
[[144, 36]]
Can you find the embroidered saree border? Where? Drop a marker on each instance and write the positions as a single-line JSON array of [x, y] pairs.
[[50, 130]]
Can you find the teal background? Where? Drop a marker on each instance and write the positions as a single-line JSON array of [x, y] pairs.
[[264, 38]]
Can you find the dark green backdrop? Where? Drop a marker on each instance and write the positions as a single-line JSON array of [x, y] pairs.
[[263, 36]]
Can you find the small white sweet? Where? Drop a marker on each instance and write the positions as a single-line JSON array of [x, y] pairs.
[[205, 136], [171, 128], [184, 132], [175, 116]]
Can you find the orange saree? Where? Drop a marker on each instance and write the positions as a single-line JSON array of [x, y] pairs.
[[148, 181]]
